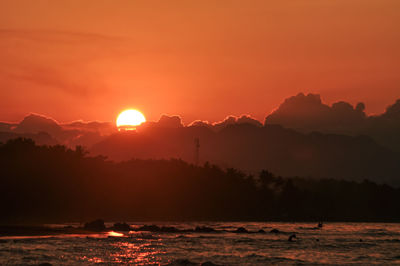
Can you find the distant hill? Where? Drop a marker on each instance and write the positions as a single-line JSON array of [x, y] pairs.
[[252, 148], [41, 138], [303, 137], [45, 130]]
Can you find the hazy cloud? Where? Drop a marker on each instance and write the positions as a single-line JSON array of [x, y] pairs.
[[55, 59], [52, 36], [49, 77]]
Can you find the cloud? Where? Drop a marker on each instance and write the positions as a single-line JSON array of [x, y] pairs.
[[234, 120], [252, 148], [392, 112], [229, 120], [35, 123], [46, 130], [50, 77], [103, 128], [200, 123], [173, 121], [6, 127], [303, 113], [246, 119], [67, 37], [307, 113]]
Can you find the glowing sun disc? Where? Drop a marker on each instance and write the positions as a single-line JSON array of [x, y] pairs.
[[130, 118]]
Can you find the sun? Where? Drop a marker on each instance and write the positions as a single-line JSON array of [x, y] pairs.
[[129, 119]]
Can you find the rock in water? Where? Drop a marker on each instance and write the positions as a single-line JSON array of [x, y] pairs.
[[97, 225], [121, 227], [241, 230], [275, 231], [291, 237], [204, 229]]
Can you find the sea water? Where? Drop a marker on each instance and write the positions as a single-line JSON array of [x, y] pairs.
[[335, 243]]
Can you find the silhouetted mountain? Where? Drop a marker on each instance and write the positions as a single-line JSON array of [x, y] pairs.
[[70, 134], [307, 113], [55, 184], [6, 127], [342, 150], [252, 148], [103, 128]]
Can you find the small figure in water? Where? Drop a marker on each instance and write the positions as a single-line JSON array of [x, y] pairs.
[[320, 225], [291, 237]]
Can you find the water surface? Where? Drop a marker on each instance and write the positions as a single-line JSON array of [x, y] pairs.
[[335, 243]]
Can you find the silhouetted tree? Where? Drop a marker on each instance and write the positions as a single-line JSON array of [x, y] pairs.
[[55, 183]]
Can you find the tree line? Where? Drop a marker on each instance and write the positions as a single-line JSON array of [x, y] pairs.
[[58, 184]]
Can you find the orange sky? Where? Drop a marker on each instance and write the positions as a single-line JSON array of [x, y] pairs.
[[199, 59]]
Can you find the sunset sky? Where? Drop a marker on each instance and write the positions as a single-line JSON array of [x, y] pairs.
[[200, 59]]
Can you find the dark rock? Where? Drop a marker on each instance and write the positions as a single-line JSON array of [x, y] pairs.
[[150, 228], [291, 237], [155, 228], [275, 231], [182, 262], [169, 229], [204, 229], [97, 225], [208, 263], [241, 230], [121, 227], [261, 231]]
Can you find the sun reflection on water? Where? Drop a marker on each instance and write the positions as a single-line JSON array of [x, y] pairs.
[[115, 234], [136, 253], [336, 243]]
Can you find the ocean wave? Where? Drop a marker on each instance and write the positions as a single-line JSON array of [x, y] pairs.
[[339, 244]]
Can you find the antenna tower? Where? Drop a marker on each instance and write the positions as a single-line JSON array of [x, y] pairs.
[[197, 151]]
